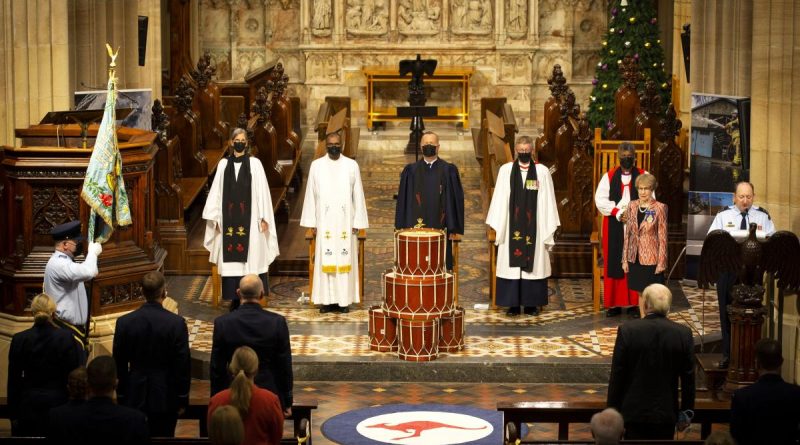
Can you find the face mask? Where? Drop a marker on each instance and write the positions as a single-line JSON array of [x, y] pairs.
[[429, 150], [627, 163], [525, 158], [239, 146], [78, 250], [334, 150]]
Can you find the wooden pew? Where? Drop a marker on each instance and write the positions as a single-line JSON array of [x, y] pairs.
[[281, 117], [185, 125], [264, 140], [544, 144], [207, 104], [706, 413]]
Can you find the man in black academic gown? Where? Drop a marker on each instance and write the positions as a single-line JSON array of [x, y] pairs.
[[430, 194]]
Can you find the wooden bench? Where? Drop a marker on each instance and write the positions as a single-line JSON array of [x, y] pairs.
[[706, 413]]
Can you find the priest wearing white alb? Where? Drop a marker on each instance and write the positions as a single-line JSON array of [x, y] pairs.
[[334, 206], [524, 215], [240, 227]]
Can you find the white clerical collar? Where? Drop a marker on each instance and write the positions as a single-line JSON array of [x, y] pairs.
[[430, 163]]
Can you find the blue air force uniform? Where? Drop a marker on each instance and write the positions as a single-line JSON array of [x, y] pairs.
[[730, 220]]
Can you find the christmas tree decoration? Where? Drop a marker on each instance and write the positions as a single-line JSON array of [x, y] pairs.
[[632, 32]]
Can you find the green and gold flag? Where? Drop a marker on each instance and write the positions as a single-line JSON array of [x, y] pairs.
[[103, 187]]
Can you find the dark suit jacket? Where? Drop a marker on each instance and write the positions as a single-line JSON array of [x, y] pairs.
[[768, 411], [650, 356], [151, 349], [268, 334], [98, 421], [39, 361]]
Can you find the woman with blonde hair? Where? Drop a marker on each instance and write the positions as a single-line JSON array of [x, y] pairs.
[[644, 251], [259, 409], [39, 361], [225, 426]]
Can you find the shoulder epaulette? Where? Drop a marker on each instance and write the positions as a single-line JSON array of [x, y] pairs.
[[762, 209]]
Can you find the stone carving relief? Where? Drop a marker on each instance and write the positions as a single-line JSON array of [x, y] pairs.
[[471, 17], [215, 20], [514, 68], [221, 58], [249, 28], [321, 18], [284, 4], [322, 68], [552, 16], [419, 17], [516, 18], [367, 17], [248, 59]]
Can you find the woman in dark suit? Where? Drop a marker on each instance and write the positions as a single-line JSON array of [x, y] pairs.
[[644, 252], [39, 361]]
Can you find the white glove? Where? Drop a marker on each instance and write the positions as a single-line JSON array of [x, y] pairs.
[[621, 211], [95, 248]]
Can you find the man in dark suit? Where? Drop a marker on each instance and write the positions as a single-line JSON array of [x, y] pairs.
[[151, 350], [99, 420], [650, 356], [264, 331], [768, 411]]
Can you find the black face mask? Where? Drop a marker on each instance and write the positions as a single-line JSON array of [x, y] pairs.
[[429, 150], [78, 250], [334, 150], [239, 146], [525, 158], [627, 163]]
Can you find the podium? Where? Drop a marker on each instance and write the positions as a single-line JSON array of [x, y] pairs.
[[40, 184]]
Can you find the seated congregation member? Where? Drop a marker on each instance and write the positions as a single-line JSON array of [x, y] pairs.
[[644, 251], [614, 192], [768, 411], [99, 420], [241, 237], [225, 426], [607, 427], [151, 350], [430, 194], [260, 410], [335, 208], [524, 214], [39, 361], [651, 356], [265, 332]]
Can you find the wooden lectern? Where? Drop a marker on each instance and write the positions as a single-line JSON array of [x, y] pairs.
[[40, 185]]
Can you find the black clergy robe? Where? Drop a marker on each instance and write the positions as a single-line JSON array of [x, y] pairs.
[[434, 195]]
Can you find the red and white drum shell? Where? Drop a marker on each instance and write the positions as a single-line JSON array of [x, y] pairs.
[[451, 338], [417, 298], [420, 251], [382, 330], [418, 340]]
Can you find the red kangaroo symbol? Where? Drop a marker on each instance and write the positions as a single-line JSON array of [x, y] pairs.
[[417, 427]]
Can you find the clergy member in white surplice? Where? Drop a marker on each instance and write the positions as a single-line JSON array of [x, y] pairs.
[[240, 227], [523, 212], [335, 207]]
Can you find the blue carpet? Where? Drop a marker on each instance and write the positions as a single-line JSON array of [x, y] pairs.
[[428, 424]]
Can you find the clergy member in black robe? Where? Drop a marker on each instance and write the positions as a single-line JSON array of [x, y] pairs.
[[431, 195]]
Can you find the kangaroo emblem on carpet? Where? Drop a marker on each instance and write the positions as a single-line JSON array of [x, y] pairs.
[[425, 424]]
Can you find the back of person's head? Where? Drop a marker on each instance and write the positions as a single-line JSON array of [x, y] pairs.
[[657, 299], [243, 367], [251, 287], [768, 355], [225, 426], [720, 438], [101, 374], [153, 284], [42, 308], [77, 384], [607, 427]]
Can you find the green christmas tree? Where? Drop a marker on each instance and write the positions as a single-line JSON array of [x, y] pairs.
[[633, 31]]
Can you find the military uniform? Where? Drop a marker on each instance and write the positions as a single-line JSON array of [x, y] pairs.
[[63, 281], [732, 219]]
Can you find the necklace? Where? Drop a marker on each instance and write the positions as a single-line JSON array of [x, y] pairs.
[[644, 209]]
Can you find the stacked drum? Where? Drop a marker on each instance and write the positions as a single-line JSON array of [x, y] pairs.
[[418, 318]]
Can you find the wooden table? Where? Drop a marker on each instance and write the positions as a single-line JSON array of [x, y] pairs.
[[377, 75]]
